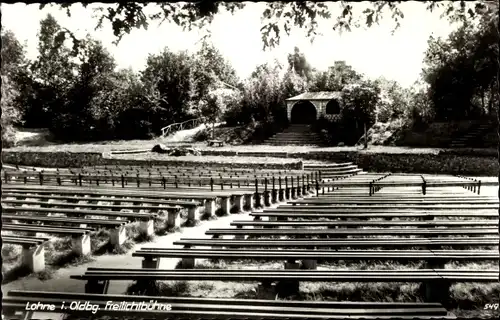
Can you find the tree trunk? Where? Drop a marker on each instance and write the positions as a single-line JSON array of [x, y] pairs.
[[483, 109], [366, 138]]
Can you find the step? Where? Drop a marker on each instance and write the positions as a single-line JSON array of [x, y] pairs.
[[339, 173], [339, 169], [326, 165]]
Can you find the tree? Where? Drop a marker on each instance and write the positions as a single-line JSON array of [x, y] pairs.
[[172, 85], [52, 75], [460, 71], [394, 100], [12, 54], [335, 78], [359, 102], [10, 114], [298, 63], [13, 61], [211, 70], [277, 16], [81, 115]]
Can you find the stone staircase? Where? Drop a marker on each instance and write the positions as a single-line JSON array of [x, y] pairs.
[[296, 134], [333, 170], [473, 137]]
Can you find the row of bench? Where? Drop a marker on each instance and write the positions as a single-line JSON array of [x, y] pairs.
[[24, 204], [14, 306], [435, 280]]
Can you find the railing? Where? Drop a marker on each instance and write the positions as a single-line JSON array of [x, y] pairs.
[[188, 124]]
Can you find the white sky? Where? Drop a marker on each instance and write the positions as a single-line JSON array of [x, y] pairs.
[[373, 51]]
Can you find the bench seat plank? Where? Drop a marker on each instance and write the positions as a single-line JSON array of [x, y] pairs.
[[117, 198], [287, 254], [83, 212], [365, 214], [90, 205], [45, 229], [103, 191], [356, 224], [363, 242], [458, 206], [354, 232], [376, 202], [23, 240], [418, 275], [53, 219]]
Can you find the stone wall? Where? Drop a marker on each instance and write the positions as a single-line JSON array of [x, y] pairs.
[[79, 159]]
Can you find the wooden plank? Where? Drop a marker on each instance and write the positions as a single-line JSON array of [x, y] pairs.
[[45, 229], [53, 219], [91, 205], [367, 214], [276, 275], [362, 224], [362, 242], [117, 198], [357, 232], [286, 254], [83, 212]]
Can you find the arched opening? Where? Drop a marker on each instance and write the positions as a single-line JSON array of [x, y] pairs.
[[303, 112], [332, 107]]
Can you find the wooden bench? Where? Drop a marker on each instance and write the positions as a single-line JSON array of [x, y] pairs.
[[33, 253], [389, 206], [212, 143], [117, 231], [293, 232], [209, 198], [434, 258], [370, 223], [220, 308], [339, 213], [361, 242], [431, 279], [202, 184], [80, 238], [385, 201]]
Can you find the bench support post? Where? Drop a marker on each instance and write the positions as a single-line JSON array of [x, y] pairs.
[[289, 287], [34, 258], [239, 202], [97, 287], [188, 263], [173, 220], [249, 201], [150, 263], [267, 199], [210, 207], [81, 244], [192, 214], [309, 264], [118, 236], [147, 227], [226, 205], [436, 290], [239, 236]]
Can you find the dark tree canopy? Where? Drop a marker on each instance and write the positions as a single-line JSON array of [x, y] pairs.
[[278, 16]]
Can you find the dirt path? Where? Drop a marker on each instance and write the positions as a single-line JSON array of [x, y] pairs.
[[62, 283]]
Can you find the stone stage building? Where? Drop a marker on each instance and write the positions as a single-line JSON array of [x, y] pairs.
[[307, 107]]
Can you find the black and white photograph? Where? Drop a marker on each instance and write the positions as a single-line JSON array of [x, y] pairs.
[[250, 160]]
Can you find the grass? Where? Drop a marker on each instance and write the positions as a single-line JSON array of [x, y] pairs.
[[58, 254]]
